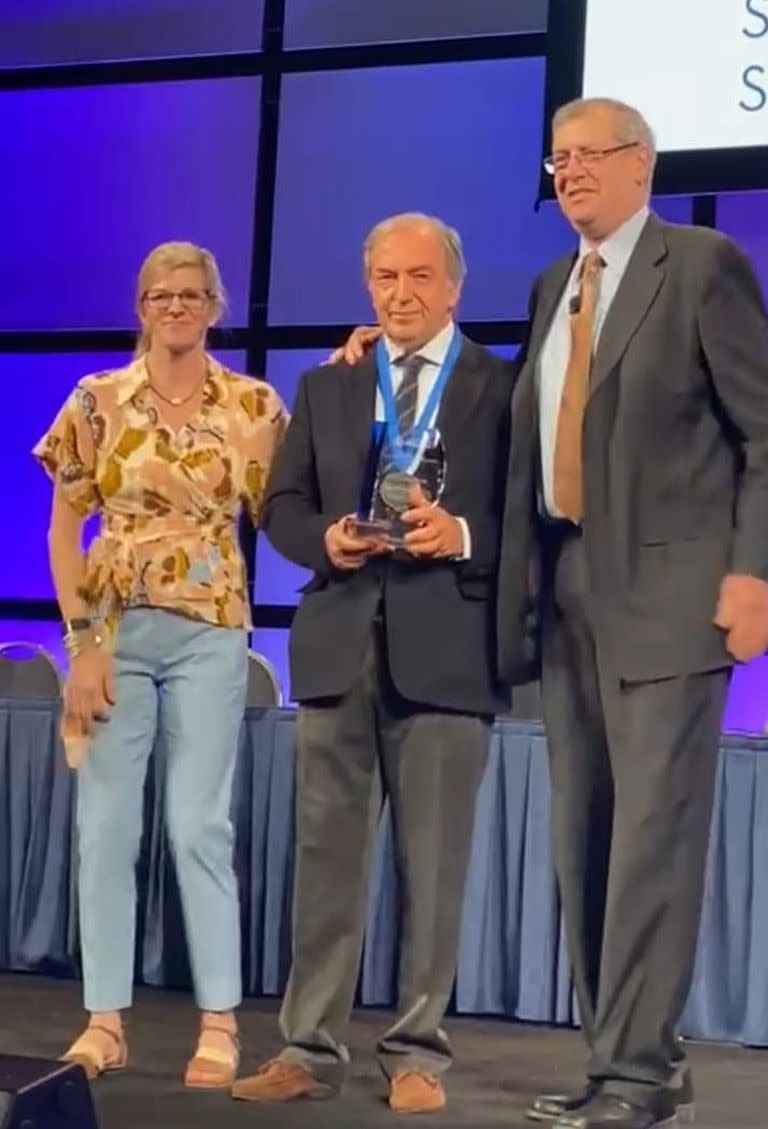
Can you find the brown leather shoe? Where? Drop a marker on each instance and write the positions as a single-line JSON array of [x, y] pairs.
[[411, 1091], [280, 1081]]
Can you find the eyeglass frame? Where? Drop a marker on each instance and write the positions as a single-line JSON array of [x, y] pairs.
[[594, 156], [201, 295]]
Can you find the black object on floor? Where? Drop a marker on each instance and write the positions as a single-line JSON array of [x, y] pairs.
[[36, 1093]]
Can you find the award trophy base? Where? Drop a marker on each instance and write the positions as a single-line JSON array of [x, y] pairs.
[[381, 529]]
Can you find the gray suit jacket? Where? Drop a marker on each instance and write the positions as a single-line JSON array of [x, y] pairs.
[[675, 457]]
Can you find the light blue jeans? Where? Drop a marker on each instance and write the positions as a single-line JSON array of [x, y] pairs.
[[186, 680]]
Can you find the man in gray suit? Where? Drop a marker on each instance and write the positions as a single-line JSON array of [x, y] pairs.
[[636, 543], [392, 659]]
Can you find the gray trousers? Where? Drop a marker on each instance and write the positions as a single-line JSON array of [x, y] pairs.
[[633, 770], [351, 753]]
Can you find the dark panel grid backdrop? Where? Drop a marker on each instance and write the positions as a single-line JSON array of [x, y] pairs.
[[276, 134]]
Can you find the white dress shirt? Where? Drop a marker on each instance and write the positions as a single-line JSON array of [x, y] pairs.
[[615, 252], [434, 354]]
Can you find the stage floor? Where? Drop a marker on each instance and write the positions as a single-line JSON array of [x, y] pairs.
[[498, 1066]]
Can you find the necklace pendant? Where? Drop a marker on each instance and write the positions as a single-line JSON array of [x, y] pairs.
[[176, 400]]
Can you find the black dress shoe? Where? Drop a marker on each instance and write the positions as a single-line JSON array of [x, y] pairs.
[[548, 1107], [680, 1089], [609, 1111]]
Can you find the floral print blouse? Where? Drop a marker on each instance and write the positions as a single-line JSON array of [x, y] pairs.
[[169, 501]]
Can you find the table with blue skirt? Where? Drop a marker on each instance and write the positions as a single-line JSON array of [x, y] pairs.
[[512, 959]]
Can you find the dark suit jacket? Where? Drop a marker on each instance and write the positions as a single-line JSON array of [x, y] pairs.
[[675, 456], [440, 616]]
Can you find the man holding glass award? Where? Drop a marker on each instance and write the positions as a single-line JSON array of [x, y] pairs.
[[389, 487]]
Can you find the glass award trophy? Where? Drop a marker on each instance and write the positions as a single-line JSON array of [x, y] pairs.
[[389, 486], [405, 467]]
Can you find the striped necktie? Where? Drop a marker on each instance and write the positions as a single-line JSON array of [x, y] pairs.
[[407, 395], [406, 401]]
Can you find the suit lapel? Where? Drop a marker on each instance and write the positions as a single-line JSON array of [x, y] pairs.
[[359, 391], [550, 292], [552, 286], [461, 394], [524, 452], [637, 290]]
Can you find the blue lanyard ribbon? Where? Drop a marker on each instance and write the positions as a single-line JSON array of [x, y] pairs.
[[401, 448]]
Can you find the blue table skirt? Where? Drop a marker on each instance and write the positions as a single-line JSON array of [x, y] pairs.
[[512, 959]]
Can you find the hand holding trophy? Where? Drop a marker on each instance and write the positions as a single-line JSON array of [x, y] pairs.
[[395, 497]]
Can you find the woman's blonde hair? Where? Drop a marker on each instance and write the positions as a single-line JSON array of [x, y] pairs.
[[169, 257]]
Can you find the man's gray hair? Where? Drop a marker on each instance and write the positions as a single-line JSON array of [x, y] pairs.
[[631, 126], [454, 251]]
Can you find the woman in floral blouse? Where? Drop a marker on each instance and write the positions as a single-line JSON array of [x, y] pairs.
[[156, 612]]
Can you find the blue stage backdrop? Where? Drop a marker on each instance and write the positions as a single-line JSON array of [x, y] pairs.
[[69, 31], [102, 174], [326, 23], [744, 216]]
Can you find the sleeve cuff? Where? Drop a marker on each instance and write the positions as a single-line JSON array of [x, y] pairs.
[[466, 539]]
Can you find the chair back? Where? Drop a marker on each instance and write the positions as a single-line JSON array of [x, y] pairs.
[[28, 671], [264, 691]]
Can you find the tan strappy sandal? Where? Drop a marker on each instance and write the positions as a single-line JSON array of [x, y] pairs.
[[89, 1053], [212, 1068]]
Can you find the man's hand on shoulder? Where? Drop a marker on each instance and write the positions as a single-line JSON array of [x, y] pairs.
[[356, 346]]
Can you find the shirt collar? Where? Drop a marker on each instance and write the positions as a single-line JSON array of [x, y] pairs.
[[435, 351], [132, 379], [135, 378], [615, 251], [217, 381]]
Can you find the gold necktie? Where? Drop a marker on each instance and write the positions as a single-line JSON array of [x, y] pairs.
[[567, 485]]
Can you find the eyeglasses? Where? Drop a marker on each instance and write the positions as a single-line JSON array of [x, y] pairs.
[[587, 158], [191, 300]]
